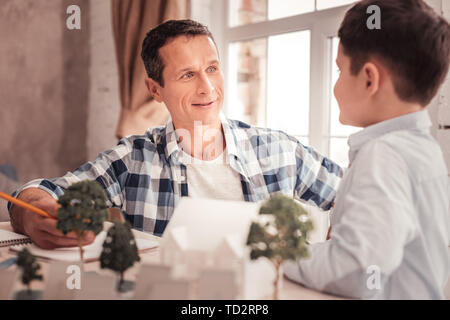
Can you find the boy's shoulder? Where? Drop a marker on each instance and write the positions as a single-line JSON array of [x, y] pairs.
[[415, 150]]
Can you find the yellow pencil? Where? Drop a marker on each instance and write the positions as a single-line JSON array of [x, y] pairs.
[[25, 205]]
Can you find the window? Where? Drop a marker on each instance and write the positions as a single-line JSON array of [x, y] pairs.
[[259, 97], [247, 81], [288, 83], [325, 4], [252, 11], [338, 148], [279, 64]]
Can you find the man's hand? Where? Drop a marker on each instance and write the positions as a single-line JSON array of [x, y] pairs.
[[43, 230]]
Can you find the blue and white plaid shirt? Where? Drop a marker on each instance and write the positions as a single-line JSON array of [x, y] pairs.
[[143, 176]]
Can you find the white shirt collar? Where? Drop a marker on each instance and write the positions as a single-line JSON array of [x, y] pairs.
[[417, 120]]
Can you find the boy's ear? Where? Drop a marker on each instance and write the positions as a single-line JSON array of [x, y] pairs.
[[154, 88], [371, 75]]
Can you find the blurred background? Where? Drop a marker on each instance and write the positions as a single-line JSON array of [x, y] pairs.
[[67, 95]]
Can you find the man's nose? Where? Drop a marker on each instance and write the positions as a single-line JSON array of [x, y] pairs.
[[205, 85]]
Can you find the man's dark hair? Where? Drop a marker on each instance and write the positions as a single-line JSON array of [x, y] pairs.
[[413, 43], [159, 36]]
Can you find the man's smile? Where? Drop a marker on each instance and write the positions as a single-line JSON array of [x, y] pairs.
[[204, 104]]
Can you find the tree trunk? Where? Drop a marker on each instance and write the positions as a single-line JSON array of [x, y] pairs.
[[277, 279], [121, 280], [80, 246]]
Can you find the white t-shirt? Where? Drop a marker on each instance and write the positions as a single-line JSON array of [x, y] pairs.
[[214, 179]]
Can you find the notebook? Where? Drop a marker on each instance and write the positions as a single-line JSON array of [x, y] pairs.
[[9, 238], [91, 252]]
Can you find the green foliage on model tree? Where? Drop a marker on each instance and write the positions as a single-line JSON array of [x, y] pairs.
[[283, 236], [27, 262], [119, 249], [83, 208]]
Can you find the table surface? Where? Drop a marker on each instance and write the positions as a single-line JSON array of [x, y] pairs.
[[288, 291]]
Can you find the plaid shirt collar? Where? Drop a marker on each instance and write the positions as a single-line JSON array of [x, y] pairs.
[[236, 158]]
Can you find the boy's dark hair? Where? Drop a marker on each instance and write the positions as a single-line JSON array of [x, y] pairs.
[[159, 36], [413, 43]]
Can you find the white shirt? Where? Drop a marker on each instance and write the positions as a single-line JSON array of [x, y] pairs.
[[213, 179], [391, 215]]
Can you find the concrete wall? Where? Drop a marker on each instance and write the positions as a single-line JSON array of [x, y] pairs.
[[439, 108], [58, 87], [442, 106], [104, 103], [44, 83]]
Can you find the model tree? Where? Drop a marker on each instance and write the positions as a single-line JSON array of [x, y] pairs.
[[83, 208], [27, 262], [119, 251], [282, 235]]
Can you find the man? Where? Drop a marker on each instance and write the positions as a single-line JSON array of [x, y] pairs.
[[198, 153]]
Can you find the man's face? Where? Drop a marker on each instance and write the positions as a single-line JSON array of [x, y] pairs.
[[349, 93], [193, 81]]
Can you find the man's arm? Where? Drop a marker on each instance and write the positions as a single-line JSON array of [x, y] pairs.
[[42, 230], [109, 169], [317, 177], [31, 196]]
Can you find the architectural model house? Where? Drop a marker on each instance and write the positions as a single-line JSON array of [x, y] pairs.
[[149, 275], [211, 235], [229, 255], [174, 247], [172, 290], [217, 285]]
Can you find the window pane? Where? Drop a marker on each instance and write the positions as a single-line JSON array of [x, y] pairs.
[[247, 79], [286, 8], [325, 4], [288, 82], [339, 151], [336, 128], [252, 11], [247, 11]]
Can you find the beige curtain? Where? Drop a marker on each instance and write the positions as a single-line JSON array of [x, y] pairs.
[[132, 19]]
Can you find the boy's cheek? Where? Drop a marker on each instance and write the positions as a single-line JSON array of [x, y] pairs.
[[335, 90], [338, 94]]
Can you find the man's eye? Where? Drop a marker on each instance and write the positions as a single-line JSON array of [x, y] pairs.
[[212, 69], [188, 75]]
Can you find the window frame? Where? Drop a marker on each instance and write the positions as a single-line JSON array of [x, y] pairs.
[[322, 24]]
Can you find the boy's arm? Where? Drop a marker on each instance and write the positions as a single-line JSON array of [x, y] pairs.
[[375, 223], [318, 178]]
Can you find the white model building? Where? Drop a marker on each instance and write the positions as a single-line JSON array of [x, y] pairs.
[[209, 236]]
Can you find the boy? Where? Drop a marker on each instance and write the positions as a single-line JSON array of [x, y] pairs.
[[390, 223]]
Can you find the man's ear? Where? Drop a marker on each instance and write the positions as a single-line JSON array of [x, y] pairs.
[[154, 88], [371, 76]]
